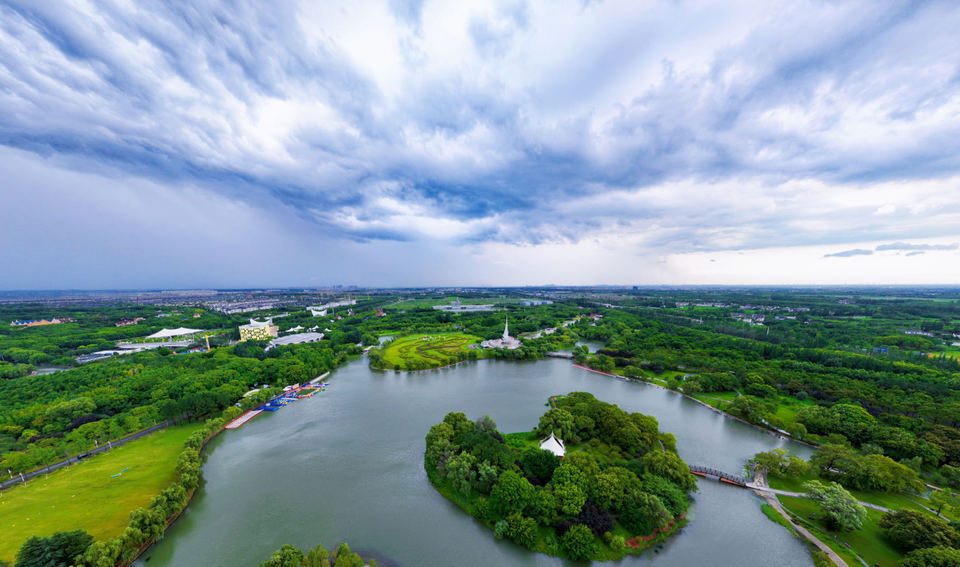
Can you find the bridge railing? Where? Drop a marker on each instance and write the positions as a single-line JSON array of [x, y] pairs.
[[719, 474]]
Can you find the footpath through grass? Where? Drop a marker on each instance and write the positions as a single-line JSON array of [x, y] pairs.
[[868, 541], [87, 496], [892, 501]]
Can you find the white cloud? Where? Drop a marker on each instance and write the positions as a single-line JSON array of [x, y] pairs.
[[602, 131]]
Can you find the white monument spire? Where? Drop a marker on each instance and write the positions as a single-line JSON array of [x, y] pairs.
[[506, 328]]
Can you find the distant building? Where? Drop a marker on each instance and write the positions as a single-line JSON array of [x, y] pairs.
[[506, 341], [296, 339], [535, 302], [99, 355], [171, 333], [229, 307], [456, 307], [321, 310], [259, 330], [38, 322], [126, 322], [553, 445], [918, 332]]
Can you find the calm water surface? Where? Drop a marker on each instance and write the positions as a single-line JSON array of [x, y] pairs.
[[347, 465]]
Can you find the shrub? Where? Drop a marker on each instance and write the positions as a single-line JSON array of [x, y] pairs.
[[578, 542]]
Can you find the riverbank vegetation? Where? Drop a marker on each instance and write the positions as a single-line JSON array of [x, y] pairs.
[[148, 523], [838, 393], [870, 375], [840, 484], [619, 488], [290, 556], [44, 418]]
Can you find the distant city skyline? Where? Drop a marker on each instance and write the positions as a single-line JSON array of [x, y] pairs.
[[505, 143]]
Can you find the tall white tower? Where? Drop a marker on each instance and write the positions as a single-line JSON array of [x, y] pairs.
[[506, 328]]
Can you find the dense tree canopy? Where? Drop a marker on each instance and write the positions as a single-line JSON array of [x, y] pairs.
[[632, 487]]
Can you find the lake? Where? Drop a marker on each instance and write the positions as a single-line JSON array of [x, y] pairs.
[[347, 465]]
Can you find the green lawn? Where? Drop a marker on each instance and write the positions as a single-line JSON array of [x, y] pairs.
[[433, 350], [897, 501], [866, 542], [522, 440], [86, 496], [787, 408]]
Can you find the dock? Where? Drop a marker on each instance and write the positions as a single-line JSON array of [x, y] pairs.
[[288, 396], [242, 419], [319, 378]]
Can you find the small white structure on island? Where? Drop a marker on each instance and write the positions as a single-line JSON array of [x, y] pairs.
[[506, 341], [553, 445]]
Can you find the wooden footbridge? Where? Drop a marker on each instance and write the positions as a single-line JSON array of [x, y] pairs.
[[719, 475]]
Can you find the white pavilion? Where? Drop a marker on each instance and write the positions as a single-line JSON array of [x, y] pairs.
[[553, 445]]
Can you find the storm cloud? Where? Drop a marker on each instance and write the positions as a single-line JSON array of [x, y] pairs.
[[438, 130]]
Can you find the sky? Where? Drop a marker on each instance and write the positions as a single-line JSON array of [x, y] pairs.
[[421, 143]]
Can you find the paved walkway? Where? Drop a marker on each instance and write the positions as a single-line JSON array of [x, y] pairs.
[[776, 492], [76, 458], [760, 487]]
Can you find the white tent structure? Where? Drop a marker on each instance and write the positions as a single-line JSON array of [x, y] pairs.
[[553, 445], [169, 333]]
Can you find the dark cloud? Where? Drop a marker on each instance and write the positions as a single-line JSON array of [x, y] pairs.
[[546, 124], [849, 253]]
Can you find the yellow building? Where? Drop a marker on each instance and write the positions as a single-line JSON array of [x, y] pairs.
[[259, 331]]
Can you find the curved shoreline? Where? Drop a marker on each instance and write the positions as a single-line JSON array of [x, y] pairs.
[[659, 539], [766, 430], [452, 364], [172, 519]]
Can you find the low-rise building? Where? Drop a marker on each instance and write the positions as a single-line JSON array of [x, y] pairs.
[[164, 334], [321, 310], [296, 339], [456, 306], [259, 330], [38, 322]]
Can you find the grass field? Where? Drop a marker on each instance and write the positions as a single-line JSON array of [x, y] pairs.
[[85, 496], [895, 501], [787, 408], [867, 541], [427, 351]]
